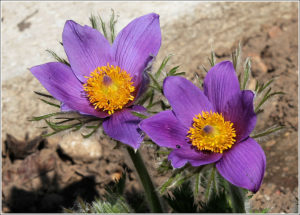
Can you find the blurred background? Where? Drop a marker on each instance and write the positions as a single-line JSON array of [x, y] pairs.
[[55, 171]]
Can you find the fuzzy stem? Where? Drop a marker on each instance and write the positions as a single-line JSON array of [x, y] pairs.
[[149, 189]]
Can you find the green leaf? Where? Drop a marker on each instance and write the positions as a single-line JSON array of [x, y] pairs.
[[256, 86], [56, 57], [38, 118], [173, 71], [263, 87], [267, 96], [212, 59], [50, 103], [146, 96], [247, 71], [267, 131], [139, 115], [43, 94], [151, 97], [112, 23], [94, 22], [169, 182], [56, 127], [204, 69], [236, 56], [163, 105], [93, 131], [180, 73], [162, 66], [156, 84], [153, 104], [103, 27]]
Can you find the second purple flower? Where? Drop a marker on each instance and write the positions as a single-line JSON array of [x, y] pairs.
[[211, 126]]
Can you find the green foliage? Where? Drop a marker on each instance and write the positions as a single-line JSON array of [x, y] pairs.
[[217, 204], [62, 123], [212, 59], [235, 56], [156, 85], [98, 24], [112, 23], [181, 199], [247, 71], [236, 197], [162, 66], [142, 116], [268, 94], [179, 176], [57, 58], [94, 22], [268, 131], [155, 89], [165, 165]]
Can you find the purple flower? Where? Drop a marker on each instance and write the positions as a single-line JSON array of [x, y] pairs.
[[104, 80], [211, 126]]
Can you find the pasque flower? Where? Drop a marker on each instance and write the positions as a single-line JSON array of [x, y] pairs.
[[104, 80], [210, 126]]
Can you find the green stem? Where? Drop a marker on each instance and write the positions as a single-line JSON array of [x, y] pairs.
[[149, 189]]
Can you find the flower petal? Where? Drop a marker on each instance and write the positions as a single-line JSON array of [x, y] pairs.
[[244, 165], [186, 99], [179, 157], [221, 84], [136, 44], [123, 126], [65, 108], [86, 49], [61, 82], [165, 130], [239, 110]]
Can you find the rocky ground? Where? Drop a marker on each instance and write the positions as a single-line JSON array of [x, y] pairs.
[[44, 175]]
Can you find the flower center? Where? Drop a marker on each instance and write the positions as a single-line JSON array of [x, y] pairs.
[[211, 132], [109, 88]]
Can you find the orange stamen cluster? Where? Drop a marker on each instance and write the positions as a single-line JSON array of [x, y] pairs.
[[109, 88], [211, 132]]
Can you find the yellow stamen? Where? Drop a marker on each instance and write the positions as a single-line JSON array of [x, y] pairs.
[[109, 88], [211, 132]]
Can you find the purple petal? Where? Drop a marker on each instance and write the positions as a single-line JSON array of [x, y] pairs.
[[123, 126], [86, 49], [239, 110], [221, 84], [186, 99], [179, 157], [65, 108], [244, 165], [61, 82], [165, 130], [136, 44]]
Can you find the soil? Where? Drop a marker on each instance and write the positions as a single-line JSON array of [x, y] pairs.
[[40, 178]]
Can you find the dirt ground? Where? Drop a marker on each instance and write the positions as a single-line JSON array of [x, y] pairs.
[[41, 177]]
